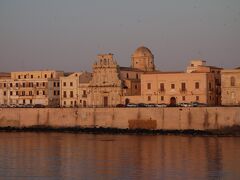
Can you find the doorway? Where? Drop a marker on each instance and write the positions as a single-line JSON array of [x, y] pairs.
[[105, 101], [173, 101], [127, 101]]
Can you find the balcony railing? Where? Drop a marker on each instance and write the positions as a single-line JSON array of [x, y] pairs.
[[161, 91], [84, 95], [183, 90]]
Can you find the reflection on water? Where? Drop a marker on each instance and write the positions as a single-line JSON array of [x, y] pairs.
[[86, 156]]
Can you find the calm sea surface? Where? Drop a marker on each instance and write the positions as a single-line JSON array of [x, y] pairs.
[[87, 156]]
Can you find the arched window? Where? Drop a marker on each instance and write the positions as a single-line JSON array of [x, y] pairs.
[[232, 80]]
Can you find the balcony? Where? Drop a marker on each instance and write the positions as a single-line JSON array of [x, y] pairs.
[[183, 91], [84, 96], [161, 91]]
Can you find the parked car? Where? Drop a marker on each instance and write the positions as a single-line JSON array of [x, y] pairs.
[[198, 104], [29, 106], [161, 105], [185, 105], [12, 105], [141, 105], [3, 105], [20, 105], [151, 105], [120, 105], [132, 105], [39, 106]]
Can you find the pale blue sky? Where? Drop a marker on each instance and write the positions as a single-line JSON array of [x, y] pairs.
[[68, 34]]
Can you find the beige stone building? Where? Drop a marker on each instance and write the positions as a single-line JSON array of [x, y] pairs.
[[74, 89], [31, 87], [161, 87], [230, 86], [199, 66], [4, 75]]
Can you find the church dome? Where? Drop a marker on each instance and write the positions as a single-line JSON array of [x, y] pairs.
[[143, 59], [142, 51]]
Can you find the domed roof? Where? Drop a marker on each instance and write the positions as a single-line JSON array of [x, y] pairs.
[[142, 51]]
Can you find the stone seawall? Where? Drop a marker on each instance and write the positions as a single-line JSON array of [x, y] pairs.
[[197, 118]]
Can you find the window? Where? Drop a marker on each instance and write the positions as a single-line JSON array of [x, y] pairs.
[[71, 94], [127, 76], [23, 85], [162, 98], [11, 93], [58, 84], [149, 98], [161, 86], [31, 76], [183, 86], [54, 93], [172, 86], [30, 93], [58, 93], [210, 86], [19, 76], [24, 101], [64, 94], [43, 92], [148, 85], [43, 84], [45, 75], [37, 92], [5, 93], [196, 85], [64, 102], [197, 98], [54, 84], [135, 86], [30, 101], [232, 80], [84, 92], [136, 76], [17, 93], [10, 84], [5, 85], [23, 93], [183, 98], [71, 83], [37, 84], [64, 83], [25, 76], [51, 75], [16, 84]]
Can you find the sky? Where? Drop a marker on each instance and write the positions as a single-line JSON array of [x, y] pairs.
[[68, 34]]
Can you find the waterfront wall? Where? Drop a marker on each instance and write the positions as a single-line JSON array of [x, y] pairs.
[[197, 118]]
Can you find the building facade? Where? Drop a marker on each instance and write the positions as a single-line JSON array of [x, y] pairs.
[[181, 87], [106, 86], [74, 89], [31, 87], [110, 84], [230, 86]]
